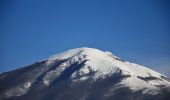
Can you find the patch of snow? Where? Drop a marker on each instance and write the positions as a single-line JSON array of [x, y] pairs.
[[98, 62], [158, 83], [46, 82], [136, 70], [68, 54], [18, 90], [55, 73], [136, 84], [111, 55]]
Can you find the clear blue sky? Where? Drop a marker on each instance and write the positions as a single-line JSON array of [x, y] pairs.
[[135, 30]]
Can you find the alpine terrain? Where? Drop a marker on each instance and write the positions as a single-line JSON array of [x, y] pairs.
[[84, 74]]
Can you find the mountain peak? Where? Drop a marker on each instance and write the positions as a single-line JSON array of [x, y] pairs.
[[84, 71], [102, 63], [77, 51], [97, 61]]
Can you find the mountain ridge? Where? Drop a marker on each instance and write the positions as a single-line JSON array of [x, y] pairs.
[[84, 69]]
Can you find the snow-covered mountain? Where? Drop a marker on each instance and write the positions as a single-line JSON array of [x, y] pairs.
[[84, 74]]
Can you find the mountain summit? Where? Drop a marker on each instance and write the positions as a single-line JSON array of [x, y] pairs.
[[84, 74]]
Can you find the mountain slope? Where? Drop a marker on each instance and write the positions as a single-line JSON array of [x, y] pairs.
[[84, 74]]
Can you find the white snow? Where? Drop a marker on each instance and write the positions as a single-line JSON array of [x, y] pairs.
[[159, 83], [98, 61], [136, 84], [68, 54], [19, 90], [104, 64], [54, 74]]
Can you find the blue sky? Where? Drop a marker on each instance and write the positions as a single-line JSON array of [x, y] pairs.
[[135, 30]]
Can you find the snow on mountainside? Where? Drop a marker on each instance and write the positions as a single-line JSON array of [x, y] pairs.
[[104, 64], [81, 66]]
